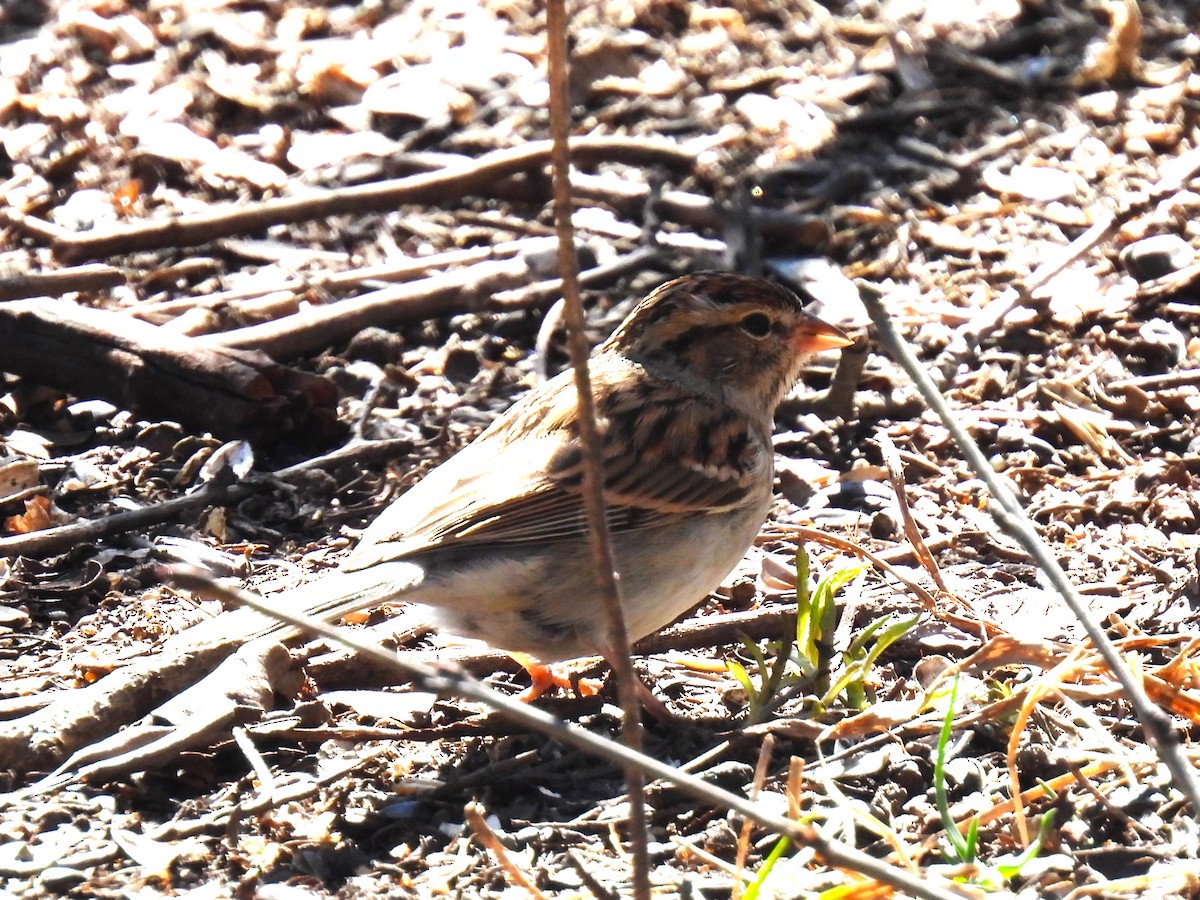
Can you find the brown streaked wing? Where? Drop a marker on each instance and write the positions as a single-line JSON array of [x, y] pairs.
[[530, 488]]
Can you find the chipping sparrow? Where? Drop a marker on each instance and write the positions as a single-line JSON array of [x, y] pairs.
[[494, 539]]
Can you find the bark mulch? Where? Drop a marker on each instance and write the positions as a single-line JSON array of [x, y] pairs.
[[262, 265]]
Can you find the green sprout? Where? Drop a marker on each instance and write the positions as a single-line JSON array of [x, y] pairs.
[[806, 659]]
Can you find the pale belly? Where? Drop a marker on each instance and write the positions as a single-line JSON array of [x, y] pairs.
[[542, 599]]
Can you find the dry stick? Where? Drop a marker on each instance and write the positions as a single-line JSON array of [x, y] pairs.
[[475, 817], [1006, 509], [100, 353], [57, 282], [398, 270], [444, 294], [445, 184], [446, 680], [541, 293], [52, 540], [599, 537], [1173, 176], [599, 891], [32, 868], [743, 842], [1165, 381], [895, 470], [494, 285]]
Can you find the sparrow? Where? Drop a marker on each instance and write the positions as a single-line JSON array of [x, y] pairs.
[[494, 541]]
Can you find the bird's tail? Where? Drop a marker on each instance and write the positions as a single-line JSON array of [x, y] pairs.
[[328, 598]]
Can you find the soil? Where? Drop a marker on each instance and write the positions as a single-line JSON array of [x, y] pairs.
[[340, 214]]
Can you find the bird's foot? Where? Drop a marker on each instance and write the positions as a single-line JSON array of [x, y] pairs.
[[542, 678]]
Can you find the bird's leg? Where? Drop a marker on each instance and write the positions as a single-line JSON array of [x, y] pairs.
[[543, 677]]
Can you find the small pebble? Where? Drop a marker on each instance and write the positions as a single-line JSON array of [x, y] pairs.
[[883, 525], [1151, 474], [1156, 256], [795, 488], [1168, 340], [59, 878], [1014, 437], [377, 345], [12, 618], [461, 365], [160, 437], [742, 595], [355, 377], [964, 773]]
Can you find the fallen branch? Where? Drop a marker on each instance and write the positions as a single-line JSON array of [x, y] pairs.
[[445, 294], [442, 186], [49, 541], [490, 286], [97, 353], [78, 719], [399, 270]]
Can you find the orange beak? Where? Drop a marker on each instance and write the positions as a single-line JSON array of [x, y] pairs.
[[812, 335]]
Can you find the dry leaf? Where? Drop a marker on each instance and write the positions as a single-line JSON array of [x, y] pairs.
[[1118, 52], [37, 516], [16, 477]]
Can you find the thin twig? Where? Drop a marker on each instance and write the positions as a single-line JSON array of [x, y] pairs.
[[52, 540], [474, 813], [1165, 382], [479, 175], [760, 778], [1006, 509], [599, 891], [895, 470], [57, 282], [442, 294], [441, 679], [398, 270], [599, 537]]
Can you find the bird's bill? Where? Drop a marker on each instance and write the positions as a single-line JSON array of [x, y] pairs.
[[814, 335]]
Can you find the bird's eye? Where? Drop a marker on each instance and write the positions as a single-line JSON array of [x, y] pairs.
[[756, 324]]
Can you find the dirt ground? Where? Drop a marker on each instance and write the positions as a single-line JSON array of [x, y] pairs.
[[238, 235]]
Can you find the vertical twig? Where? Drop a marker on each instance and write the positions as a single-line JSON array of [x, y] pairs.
[[743, 844], [895, 470], [599, 539]]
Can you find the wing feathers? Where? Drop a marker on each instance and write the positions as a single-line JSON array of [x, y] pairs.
[[665, 457]]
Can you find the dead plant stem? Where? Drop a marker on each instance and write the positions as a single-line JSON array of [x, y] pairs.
[[599, 538], [1006, 509]]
